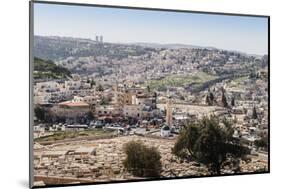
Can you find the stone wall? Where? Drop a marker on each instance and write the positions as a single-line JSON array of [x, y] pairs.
[[59, 180]]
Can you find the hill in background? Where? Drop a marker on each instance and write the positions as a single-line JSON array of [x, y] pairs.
[[47, 69]]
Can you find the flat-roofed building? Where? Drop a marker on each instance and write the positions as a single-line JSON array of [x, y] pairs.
[[132, 110], [71, 110], [107, 110]]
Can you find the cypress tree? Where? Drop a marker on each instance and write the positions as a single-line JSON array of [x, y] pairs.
[[254, 115], [223, 100]]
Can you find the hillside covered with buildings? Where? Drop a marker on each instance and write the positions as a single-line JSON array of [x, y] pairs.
[[94, 96]]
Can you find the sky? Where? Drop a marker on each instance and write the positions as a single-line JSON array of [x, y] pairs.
[[240, 33]]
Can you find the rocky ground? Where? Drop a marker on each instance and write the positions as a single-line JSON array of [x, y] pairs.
[[101, 160]]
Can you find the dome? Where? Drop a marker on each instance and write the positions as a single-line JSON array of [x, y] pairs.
[[165, 128]]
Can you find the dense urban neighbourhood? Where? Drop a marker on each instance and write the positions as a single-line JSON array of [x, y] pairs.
[[92, 98]]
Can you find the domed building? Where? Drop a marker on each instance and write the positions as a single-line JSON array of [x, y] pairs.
[[165, 131]]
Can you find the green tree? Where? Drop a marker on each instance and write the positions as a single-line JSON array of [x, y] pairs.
[[210, 98], [39, 113], [148, 88], [232, 101], [223, 100], [253, 75], [186, 141], [141, 160], [92, 83], [262, 143], [209, 143], [254, 114], [211, 95], [99, 88], [182, 97]]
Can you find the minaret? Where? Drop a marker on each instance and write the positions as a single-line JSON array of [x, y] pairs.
[[169, 113]]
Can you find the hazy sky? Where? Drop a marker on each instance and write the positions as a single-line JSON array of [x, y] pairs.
[[246, 34]]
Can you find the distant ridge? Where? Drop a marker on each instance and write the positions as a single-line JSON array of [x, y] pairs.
[[171, 45], [141, 44]]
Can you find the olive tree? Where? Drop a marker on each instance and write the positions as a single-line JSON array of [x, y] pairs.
[[210, 143]]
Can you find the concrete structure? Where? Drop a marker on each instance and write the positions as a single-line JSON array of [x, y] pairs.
[[132, 110], [72, 85], [165, 131], [107, 110], [48, 86]]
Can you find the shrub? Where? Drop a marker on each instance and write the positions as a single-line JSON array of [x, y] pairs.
[[142, 161]]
